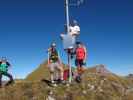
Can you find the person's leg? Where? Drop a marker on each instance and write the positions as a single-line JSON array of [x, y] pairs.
[[79, 71], [10, 77], [61, 71], [52, 77], [0, 79], [56, 73], [78, 66], [51, 68], [82, 66]]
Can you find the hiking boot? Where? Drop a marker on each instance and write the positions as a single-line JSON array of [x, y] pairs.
[[59, 81], [9, 83], [55, 85], [78, 79], [80, 70], [52, 82], [63, 82]]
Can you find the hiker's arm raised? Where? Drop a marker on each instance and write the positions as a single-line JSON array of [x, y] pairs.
[[9, 65]]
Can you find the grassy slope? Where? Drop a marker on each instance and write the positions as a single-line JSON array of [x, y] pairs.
[[113, 87], [40, 73]]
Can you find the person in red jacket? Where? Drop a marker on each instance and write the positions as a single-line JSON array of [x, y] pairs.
[[80, 53]]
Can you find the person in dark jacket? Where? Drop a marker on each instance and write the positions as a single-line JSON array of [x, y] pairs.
[[4, 65]]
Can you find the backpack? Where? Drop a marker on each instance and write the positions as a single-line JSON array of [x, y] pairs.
[[54, 55], [80, 53], [66, 74]]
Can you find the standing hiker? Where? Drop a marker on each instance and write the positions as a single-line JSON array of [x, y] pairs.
[[4, 65], [55, 65], [80, 53]]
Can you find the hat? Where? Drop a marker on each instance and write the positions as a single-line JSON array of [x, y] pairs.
[[78, 42], [53, 44]]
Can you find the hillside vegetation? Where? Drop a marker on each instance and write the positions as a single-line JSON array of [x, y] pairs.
[[98, 84], [40, 73]]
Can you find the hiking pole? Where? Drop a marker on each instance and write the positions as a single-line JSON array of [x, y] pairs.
[[48, 57]]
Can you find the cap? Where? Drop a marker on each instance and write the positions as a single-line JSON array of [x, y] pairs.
[[53, 44]]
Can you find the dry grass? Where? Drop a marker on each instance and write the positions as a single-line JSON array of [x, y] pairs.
[[108, 87]]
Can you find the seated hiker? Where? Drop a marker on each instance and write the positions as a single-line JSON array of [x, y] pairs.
[[55, 65], [4, 65]]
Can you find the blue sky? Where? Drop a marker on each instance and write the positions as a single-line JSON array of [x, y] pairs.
[[27, 27]]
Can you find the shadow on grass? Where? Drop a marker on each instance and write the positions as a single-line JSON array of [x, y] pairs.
[[47, 82]]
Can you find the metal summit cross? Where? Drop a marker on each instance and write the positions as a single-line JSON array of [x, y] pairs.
[[70, 48]]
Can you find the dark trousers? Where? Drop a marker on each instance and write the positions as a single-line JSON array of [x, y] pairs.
[[7, 75]]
